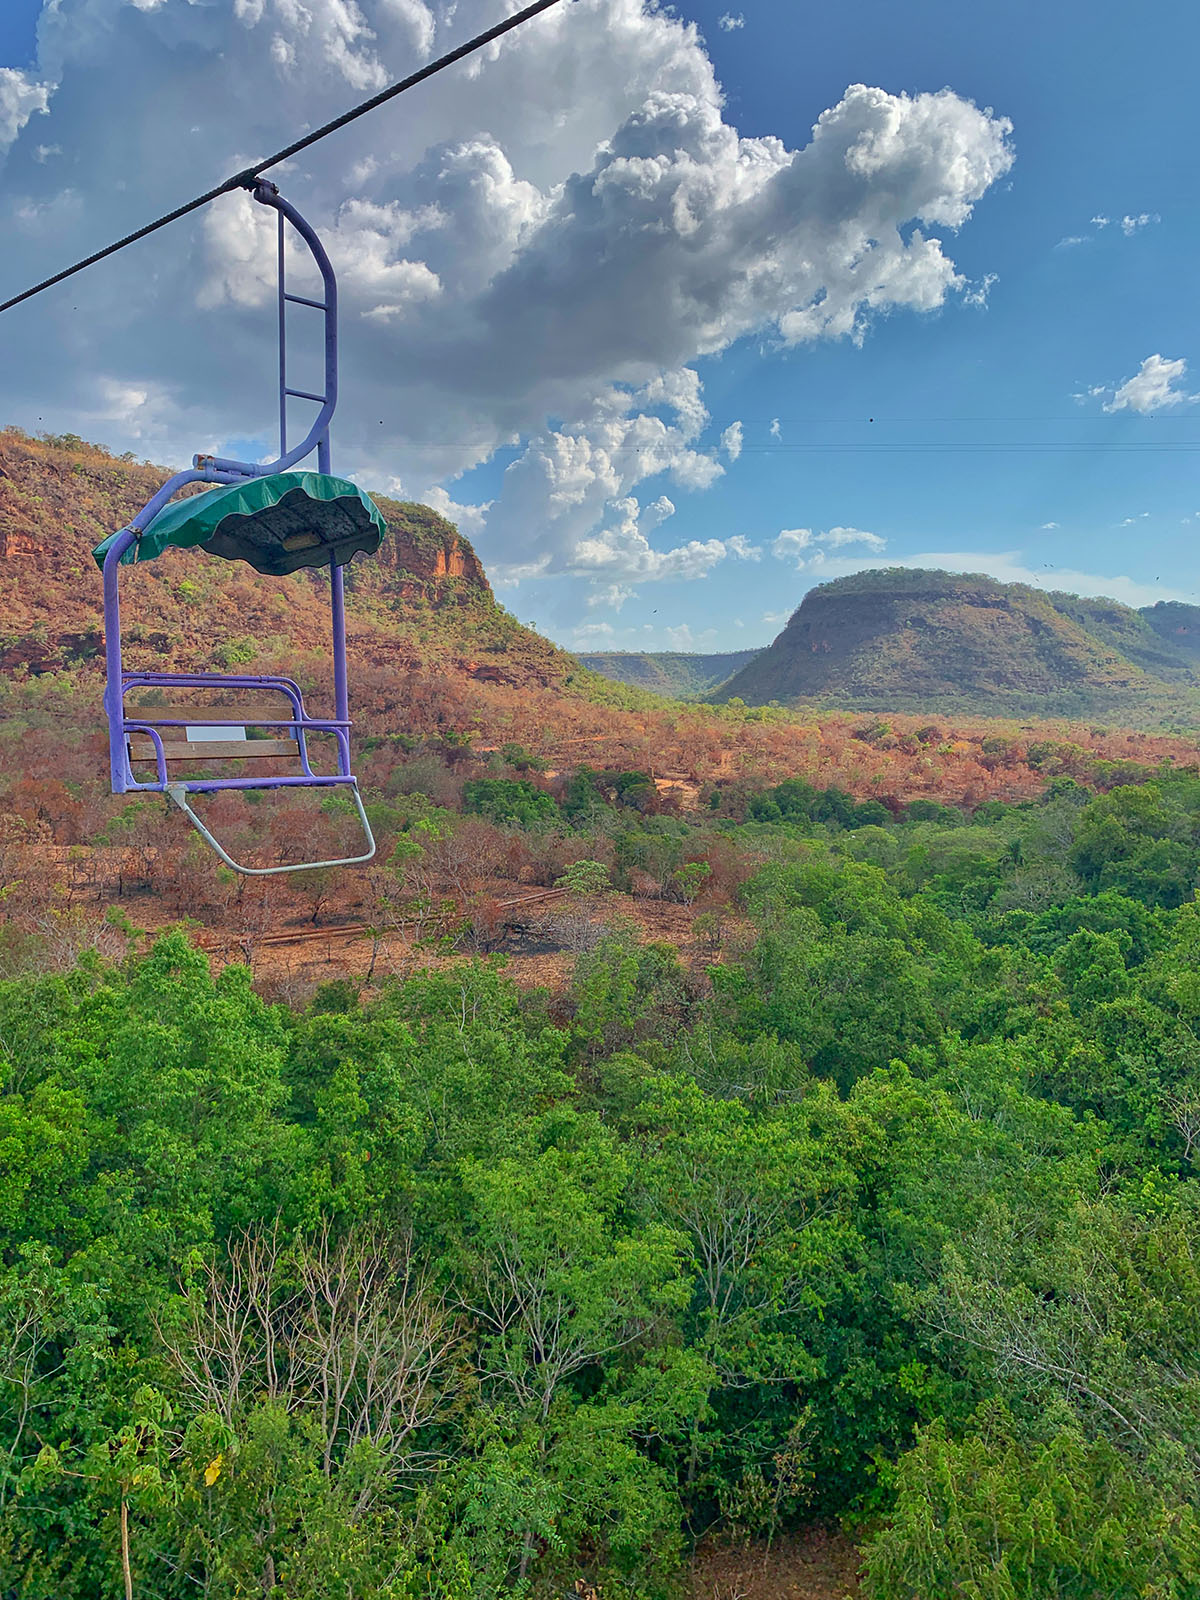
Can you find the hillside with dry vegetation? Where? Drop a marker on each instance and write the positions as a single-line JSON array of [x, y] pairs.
[[58, 498], [448, 690]]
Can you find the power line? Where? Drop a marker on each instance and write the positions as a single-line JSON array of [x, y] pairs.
[[950, 447], [246, 178], [853, 419], [1069, 447]]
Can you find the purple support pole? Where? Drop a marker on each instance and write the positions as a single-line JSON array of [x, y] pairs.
[[337, 593], [114, 693], [341, 698], [282, 289]]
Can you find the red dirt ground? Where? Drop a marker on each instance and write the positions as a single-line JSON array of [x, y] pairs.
[[813, 1565]]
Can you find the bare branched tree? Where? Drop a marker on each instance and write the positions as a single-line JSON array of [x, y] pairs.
[[227, 1349], [371, 1345], [23, 1345], [1183, 1107], [346, 1330]]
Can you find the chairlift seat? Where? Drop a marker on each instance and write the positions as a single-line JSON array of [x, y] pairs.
[[277, 521], [211, 733]]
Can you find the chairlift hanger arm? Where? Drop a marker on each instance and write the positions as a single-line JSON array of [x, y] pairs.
[[267, 194], [179, 794]]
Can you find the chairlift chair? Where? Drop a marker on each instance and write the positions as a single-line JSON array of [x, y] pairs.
[[278, 521]]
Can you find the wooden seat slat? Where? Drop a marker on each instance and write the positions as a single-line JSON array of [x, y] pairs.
[[142, 749]]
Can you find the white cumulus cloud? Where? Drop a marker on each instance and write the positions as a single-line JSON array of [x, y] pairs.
[[730, 21], [837, 537], [20, 97], [976, 294], [610, 598], [536, 261], [594, 633], [1153, 387], [682, 637], [621, 550], [741, 547], [467, 517], [1129, 224], [791, 544]]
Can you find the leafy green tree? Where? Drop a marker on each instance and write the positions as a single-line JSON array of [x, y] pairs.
[[625, 992], [765, 1205], [995, 1516], [584, 878], [837, 969], [510, 800], [558, 1282], [1140, 839], [1092, 968], [554, 1279], [690, 878]]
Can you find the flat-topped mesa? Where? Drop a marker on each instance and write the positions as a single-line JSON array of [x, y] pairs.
[[903, 638], [1177, 622]]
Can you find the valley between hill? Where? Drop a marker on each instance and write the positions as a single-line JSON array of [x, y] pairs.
[[676, 674]]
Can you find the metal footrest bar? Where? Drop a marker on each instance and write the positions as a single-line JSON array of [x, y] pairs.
[[179, 793]]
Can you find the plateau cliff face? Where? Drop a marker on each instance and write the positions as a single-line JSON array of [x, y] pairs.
[[423, 550]]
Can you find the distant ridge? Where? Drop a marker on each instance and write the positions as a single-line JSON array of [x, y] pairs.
[[906, 639], [679, 674]]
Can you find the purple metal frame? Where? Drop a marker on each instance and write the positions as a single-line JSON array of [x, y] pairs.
[[217, 469]]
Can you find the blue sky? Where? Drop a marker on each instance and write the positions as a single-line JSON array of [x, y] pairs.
[[1029, 424]]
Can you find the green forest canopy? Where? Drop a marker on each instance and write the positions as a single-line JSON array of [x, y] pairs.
[[447, 1292]]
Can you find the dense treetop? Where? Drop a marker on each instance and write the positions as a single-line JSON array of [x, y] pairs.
[[449, 1288]]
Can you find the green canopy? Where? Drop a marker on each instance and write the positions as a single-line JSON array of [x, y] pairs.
[[277, 524]]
